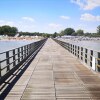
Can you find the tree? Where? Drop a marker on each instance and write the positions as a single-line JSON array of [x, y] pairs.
[[74, 34], [7, 30], [14, 30], [98, 30], [88, 34], [80, 32], [0, 30], [68, 31], [55, 34], [61, 33]]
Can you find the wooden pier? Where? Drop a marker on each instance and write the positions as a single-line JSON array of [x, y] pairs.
[[55, 74]]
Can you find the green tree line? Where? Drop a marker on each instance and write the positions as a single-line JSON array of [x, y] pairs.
[[34, 34], [80, 32], [7, 30], [11, 31]]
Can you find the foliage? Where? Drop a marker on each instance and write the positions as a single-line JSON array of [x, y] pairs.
[[88, 34], [68, 31], [98, 30], [71, 31], [7, 30], [74, 34], [35, 34], [55, 35], [61, 33], [11, 31], [80, 32]]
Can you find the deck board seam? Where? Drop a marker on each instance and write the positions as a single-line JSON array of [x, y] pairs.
[[30, 77]]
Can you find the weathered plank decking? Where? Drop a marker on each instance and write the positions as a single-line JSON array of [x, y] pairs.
[[56, 75]]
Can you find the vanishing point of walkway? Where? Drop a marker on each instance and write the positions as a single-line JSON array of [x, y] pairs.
[[55, 74]]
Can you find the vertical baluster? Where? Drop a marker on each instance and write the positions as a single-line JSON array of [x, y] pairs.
[[81, 53], [14, 62], [86, 55], [91, 57], [78, 52], [30, 48], [73, 49], [22, 53], [18, 55], [33, 47], [0, 68], [99, 61], [68, 47], [27, 50], [99, 58], [7, 61]]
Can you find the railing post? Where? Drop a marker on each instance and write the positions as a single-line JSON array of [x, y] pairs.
[[91, 57], [86, 55], [29, 48], [93, 60], [81, 53], [25, 51], [33, 47], [78, 52], [7, 61], [22, 53], [98, 62], [0, 69], [14, 63], [18, 55], [71, 48]]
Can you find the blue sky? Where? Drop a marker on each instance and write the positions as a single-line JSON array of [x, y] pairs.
[[50, 15]]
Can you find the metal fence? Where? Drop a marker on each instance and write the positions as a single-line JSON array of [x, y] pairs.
[[12, 59], [87, 56]]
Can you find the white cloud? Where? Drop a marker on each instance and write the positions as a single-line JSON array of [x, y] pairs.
[[1, 21], [21, 25], [28, 19], [54, 25], [64, 17], [87, 4], [4, 22], [89, 17], [25, 28]]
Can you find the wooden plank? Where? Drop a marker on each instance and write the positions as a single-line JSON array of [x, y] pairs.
[[56, 75]]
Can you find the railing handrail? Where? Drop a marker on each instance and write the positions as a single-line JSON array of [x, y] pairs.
[[79, 46], [84, 54], [22, 54], [16, 48]]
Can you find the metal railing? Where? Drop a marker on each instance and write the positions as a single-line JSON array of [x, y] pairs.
[[11, 60], [87, 56]]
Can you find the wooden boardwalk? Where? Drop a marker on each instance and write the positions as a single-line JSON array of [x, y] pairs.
[[56, 75]]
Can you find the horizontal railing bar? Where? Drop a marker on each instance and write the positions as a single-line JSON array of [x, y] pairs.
[[24, 53], [98, 66], [98, 59], [12, 56], [88, 56], [12, 62], [15, 48]]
